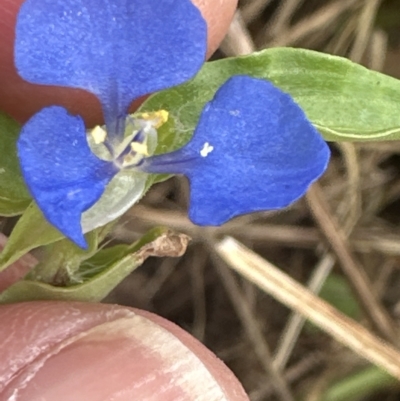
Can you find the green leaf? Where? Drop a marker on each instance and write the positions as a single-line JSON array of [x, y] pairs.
[[61, 260], [101, 273], [344, 100], [359, 385], [337, 291], [14, 196], [31, 231]]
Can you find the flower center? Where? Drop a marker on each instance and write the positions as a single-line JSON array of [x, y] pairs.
[[140, 140]]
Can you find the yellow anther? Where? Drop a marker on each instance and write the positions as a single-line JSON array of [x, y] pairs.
[[158, 118], [140, 148], [98, 134], [130, 160]]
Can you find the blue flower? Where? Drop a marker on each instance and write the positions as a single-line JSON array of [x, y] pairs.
[[118, 50], [253, 148]]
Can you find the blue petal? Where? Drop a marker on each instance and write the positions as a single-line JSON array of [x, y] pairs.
[[116, 49], [63, 175], [253, 150]]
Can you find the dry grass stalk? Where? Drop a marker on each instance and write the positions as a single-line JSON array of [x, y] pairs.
[[296, 320], [295, 296], [364, 29], [237, 41], [254, 332], [357, 276], [253, 8], [315, 22]]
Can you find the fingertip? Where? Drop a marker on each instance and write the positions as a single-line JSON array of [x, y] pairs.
[[64, 351], [218, 15]]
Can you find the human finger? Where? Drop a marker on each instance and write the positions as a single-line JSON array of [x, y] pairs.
[[96, 352]]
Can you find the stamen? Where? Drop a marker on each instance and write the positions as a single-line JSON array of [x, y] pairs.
[[157, 118], [207, 148], [140, 139], [140, 148], [131, 160], [138, 143], [98, 134]]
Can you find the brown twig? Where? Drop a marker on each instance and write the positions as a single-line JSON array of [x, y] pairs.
[[358, 279], [295, 296], [253, 331]]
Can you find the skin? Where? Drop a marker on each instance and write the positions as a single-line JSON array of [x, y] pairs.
[[96, 352]]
